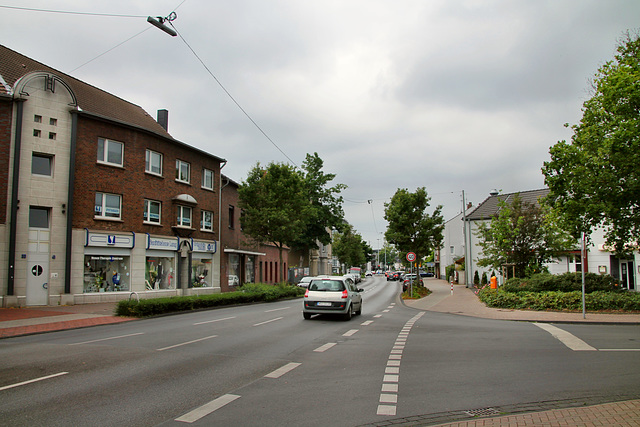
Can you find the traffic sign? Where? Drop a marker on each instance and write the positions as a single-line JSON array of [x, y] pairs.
[[411, 256]]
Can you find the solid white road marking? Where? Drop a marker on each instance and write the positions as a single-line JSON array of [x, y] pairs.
[[283, 370], [325, 347], [107, 339], [185, 343], [212, 321], [350, 332], [268, 321], [566, 338], [207, 408], [619, 349], [32, 381]]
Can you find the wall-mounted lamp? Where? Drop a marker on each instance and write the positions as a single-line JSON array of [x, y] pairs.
[[64, 208]]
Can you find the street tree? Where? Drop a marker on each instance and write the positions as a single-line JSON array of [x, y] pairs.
[[595, 178], [410, 228], [521, 237], [324, 212], [275, 205], [349, 247]]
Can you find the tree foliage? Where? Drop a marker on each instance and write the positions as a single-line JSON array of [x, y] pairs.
[[521, 235], [411, 228], [349, 247], [595, 178]]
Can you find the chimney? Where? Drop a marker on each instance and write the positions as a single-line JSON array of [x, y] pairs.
[[469, 205], [163, 119]]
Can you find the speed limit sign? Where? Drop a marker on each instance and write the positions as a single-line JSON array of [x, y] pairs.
[[411, 256]]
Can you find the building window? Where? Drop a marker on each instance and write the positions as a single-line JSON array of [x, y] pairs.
[[37, 133], [231, 214], [452, 250], [207, 179], [53, 122], [107, 206], [184, 216], [153, 162], [152, 211], [52, 135], [183, 171], [37, 118], [41, 164], [206, 224], [38, 217], [110, 152]]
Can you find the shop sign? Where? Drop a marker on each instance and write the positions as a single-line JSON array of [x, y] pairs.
[[203, 246], [109, 240], [107, 258], [162, 243]]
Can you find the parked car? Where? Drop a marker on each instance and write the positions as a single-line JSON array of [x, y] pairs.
[[332, 295], [304, 282], [406, 281], [368, 274]]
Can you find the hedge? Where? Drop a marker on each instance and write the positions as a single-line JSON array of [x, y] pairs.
[[567, 282], [249, 293], [556, 300]]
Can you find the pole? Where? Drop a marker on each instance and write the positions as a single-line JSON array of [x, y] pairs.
[[582, 254], [467, 259]]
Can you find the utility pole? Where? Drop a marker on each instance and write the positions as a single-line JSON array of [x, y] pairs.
[[467, 259]]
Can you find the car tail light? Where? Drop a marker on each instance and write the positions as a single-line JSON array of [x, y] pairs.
[[306, 293], [345, 294]]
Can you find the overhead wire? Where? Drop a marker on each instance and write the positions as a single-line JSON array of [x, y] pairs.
[[72, 13]]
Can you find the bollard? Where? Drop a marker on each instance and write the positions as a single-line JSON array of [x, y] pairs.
[[494, 282], [451, 288]]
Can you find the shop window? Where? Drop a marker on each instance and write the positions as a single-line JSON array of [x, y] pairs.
[[106, 273], [107, 206], [207, 179], [234, 270], [153, 162], [159, 273], [110, 152], [41, 164], [183, 171], [201, 273], [152, 210], [249, 269], [206, 223], [184, 216]]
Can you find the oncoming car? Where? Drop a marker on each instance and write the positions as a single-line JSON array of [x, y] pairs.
[[332, 295]]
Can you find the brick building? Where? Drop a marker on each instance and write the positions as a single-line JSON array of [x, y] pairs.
[[97, 199]]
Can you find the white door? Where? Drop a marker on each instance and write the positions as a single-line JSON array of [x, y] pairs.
[[38, 267]]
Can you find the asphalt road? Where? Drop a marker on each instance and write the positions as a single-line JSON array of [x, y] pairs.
[[264, 365]]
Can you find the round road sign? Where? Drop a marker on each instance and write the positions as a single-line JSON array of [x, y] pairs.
[[411, 256]]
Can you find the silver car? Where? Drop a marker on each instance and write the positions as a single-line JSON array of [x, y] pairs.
[[332, 295]]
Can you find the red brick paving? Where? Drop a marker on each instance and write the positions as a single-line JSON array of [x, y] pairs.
[[7, 314]]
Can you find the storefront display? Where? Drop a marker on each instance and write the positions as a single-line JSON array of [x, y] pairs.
[[106, 273], [202, 263], [159, 273]]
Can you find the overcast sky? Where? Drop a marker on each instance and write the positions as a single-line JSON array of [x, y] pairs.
[[443, 94]]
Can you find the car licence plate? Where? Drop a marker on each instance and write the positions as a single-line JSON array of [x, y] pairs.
[[323, 304]]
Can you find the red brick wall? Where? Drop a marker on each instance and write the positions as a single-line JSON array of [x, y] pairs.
[[134, 184], [6, 117]]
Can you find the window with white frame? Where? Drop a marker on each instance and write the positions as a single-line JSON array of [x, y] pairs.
[[152, 210], [153, 162], [206, 223], [108, 206], [110, 152], [183, 171], [207, 179], [184, 216]]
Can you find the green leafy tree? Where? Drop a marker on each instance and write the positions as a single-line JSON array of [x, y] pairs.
[[324, 212], [349, 247], [388, 255], [275, 205], [411, 228], [520, 236], [595, 178]]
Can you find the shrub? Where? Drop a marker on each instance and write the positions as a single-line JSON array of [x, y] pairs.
[[484, 281], [567, 282], [249, 293], [476, 278]]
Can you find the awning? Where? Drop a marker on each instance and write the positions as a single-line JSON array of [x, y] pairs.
[[243, 252]]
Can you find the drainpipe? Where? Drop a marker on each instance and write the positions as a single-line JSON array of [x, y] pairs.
[[17, 148], [70, 191], [220, 217]]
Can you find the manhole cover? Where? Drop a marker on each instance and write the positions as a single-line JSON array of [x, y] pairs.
[[482, 412]]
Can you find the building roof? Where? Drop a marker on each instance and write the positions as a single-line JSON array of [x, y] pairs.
[[14, 65], [490, 207]]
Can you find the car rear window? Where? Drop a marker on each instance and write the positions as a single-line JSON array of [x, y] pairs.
[[327, 286]]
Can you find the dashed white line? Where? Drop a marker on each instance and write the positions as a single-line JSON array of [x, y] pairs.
[[350, 332], [277, 309], [185, 343], [386, 410], [325, 347], [283, 370], [207, 408], [32, 381], [367, 323], [268, 321], [213, 321], [107, 339], [388, 387]]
